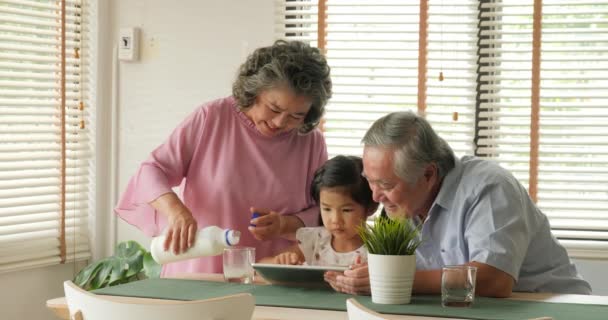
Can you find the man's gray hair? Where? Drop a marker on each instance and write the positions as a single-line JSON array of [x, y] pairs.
[[414, 142]]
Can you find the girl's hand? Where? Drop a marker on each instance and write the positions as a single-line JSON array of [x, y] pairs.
[[353, 281], [287, 258], [267, 226], [181, 232]]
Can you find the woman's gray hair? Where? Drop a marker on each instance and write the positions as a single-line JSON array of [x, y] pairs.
[[294, 64], [414, 142]]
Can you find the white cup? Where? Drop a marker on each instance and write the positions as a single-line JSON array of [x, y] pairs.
[[238, 264]]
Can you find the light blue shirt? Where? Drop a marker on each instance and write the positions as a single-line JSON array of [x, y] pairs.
[[483, 214]]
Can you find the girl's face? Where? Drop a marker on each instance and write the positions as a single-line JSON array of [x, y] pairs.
[[278, 110], [341, 217]]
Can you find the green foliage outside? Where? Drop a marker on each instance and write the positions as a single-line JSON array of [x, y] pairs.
[[390, 237], [130, 262]]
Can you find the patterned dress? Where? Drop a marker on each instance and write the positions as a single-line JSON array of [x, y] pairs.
[[315, 244]]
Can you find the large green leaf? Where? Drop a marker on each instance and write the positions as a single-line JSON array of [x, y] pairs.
[[85, 275], [101, 278], [118, 272], [126, 265], [151, 268], [130, 255]]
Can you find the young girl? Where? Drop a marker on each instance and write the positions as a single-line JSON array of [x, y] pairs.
[[345, 199]]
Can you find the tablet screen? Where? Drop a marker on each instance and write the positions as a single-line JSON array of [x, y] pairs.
[[295, 274]]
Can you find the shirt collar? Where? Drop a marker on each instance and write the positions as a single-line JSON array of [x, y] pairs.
[[447, 191]]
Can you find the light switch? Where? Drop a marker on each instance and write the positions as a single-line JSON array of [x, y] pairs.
[[128, 46]]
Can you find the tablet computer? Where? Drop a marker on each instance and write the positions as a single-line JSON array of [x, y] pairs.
[[299, 275]]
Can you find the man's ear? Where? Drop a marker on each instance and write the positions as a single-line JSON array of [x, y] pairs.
[[431, 172]]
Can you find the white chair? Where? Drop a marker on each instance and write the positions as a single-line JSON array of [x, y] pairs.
[[84, 305], [357, 311]]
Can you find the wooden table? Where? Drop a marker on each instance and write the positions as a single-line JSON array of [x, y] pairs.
[[59, 306]]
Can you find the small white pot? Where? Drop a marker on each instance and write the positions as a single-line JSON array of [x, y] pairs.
[[391, 278]]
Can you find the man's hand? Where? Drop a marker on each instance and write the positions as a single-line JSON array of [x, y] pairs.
[[353, 281]]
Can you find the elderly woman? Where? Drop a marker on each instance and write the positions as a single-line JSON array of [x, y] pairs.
[[256, 150]]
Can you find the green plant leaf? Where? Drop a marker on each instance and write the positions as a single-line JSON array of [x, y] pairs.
[[151, 268], [130, 255], [390, 237], [102, 276], [85, 275], [125, 266], [118, 272]]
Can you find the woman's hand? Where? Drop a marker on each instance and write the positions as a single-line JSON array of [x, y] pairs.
[[267, 225], [181, 225], [287, 258], [181, 231], [353, 281]]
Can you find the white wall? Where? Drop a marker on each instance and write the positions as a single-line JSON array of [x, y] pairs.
[[190, 52], [23, 294]]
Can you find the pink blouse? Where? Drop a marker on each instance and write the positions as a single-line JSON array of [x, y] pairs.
[[228, 167]]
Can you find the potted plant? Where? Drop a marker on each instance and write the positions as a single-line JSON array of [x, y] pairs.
[[130, 262], [391, 246]]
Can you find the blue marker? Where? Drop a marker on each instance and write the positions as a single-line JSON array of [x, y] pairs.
[[255, 215]]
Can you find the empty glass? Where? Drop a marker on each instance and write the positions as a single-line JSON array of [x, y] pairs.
[[458, 286], [238, 264]]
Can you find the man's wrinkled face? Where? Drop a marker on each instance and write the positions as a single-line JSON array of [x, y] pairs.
[[397, 196]]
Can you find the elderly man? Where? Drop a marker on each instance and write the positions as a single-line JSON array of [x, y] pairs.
[[473, 211]]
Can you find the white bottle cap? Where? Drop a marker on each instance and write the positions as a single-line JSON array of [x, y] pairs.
[[232, 237]]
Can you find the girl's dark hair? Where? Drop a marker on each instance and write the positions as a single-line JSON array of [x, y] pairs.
[[294, 64], [344, 172]]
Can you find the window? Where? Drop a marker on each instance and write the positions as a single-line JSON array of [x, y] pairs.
[[563, 160], [373, 49], [46, 114], [470, 68]]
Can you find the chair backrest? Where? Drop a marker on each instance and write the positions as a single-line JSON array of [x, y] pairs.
[[84, 305], [357, 311]]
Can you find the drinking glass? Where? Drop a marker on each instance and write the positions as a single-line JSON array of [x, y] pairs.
[[458, 286], [238, 264]]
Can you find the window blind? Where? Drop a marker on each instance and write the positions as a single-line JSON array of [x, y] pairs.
[[45, 149], [573, 173], [372, 48], [483, 51], [451, 75], [296, 20], [572, 158]]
